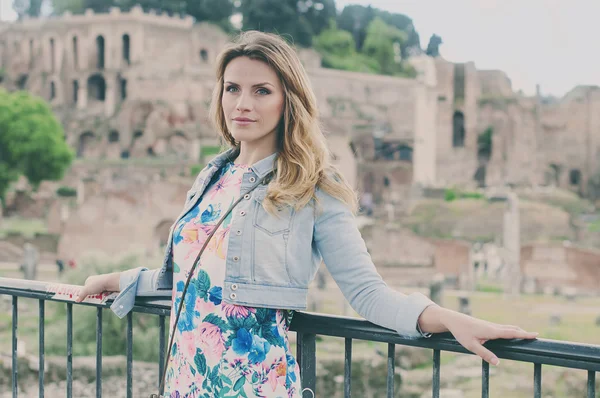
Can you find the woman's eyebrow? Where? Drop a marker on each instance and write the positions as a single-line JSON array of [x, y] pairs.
[[254, 85]]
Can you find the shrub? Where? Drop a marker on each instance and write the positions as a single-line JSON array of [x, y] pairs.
[[66, 192]]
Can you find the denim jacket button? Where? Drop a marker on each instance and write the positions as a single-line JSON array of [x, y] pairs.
[[234, 286], [236, 258], [242, 213], [252, 179], [232, 296], [247, 196], [238, 232]]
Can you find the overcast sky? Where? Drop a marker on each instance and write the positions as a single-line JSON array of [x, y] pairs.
[[550, 42]]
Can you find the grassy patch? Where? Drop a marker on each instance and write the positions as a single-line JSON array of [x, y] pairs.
[[27, 227]]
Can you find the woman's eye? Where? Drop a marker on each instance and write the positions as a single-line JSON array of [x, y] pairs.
[[263, 91], [231, 89]]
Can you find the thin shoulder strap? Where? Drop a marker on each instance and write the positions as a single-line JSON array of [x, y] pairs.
[[187, 282]]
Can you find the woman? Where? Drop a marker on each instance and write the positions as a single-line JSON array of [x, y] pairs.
[[232, 332]]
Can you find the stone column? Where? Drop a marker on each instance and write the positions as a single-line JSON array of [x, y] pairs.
[[82, 95], [80, 192], [109, 99], [195, 150], [512, 246]]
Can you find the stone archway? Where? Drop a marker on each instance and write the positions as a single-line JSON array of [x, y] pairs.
[[126, 48], [84, 143], [100, 52], [458, 129], [96, 87]]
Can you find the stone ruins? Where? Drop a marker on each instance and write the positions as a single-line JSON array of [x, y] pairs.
[[133, 89]]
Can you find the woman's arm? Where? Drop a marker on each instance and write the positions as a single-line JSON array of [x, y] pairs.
[[344, 252], [339, 242]]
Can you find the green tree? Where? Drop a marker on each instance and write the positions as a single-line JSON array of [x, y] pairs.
[[318, 13], [433, 48], [338, 51], [217, 11], [286, 17], [355, 19], [383, 43], [74, 6], [405, 24], [31, 8], [31, 141]]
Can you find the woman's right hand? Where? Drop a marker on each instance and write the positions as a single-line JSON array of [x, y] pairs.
[[97, 284]]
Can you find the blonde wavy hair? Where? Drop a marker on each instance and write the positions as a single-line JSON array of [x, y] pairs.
[[303, 161]]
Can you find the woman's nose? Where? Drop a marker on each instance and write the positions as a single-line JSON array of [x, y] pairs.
[[244, 103]]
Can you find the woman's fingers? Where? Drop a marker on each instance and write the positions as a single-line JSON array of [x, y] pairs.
[[82, 295], [484, 353], [517, 333]]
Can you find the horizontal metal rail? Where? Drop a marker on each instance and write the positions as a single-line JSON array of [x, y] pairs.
[[308, 325]]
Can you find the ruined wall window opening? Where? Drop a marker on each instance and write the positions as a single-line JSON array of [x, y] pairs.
[[85, 141], [22, 81], [575, 177], [123, 88], [75, 53], [204, 55], [100, 52], [484, 145], [31, 55], [405, 153], [386, 181], [52, 90], [459, 83], [126, 49], [555, 172], [52, 55], [96, 88], [75, 91], [458, 129], [113, 136]]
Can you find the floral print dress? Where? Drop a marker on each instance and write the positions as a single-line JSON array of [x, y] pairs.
[[222, 350]]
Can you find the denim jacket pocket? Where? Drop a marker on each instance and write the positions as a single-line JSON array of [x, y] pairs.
[[273, 224]]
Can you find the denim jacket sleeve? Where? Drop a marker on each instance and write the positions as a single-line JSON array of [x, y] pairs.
[[344, 252], [137, 282]]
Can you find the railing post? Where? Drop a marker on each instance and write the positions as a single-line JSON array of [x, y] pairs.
[[41, 347], [69, 350], [307, 355], [99, 352], [435, 393], [15, 369]]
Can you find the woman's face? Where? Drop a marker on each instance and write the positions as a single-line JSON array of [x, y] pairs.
[[252, 101]]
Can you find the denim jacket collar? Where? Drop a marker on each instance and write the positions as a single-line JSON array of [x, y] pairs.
[[261, 168]]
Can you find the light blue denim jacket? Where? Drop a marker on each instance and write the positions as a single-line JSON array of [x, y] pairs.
[[272, 260]]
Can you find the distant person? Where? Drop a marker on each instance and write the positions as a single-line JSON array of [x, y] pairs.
[[291, 209], [60, 265]]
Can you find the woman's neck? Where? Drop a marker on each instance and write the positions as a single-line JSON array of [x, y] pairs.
[[250, 155]]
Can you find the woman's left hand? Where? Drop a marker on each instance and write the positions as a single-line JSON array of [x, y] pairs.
[[472, 333]]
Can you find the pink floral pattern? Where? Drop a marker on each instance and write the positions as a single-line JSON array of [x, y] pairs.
[[222, 350]]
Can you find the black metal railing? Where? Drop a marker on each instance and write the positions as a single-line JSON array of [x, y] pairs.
[[538, 352]]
